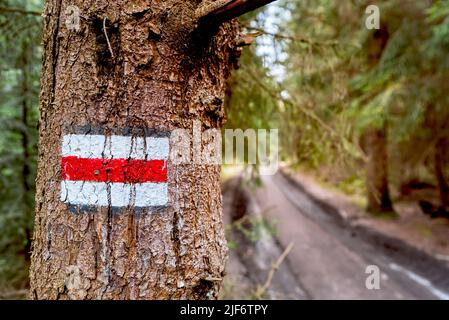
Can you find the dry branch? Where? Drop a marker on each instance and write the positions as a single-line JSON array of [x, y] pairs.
[[262, 290], [223, 10]]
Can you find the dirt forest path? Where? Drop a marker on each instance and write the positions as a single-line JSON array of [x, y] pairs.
[[329, 259]]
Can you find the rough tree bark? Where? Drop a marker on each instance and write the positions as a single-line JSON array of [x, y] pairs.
[[136, 66]]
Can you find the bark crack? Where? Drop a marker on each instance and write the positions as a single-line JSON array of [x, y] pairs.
[[107, 37]]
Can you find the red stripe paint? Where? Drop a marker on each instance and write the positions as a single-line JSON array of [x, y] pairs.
[[114, 170]]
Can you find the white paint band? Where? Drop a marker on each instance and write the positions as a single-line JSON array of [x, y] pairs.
[[121, 195], [115, 147]]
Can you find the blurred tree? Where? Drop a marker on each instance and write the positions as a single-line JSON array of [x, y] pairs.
[[20, 27], [374, 138], [348, 85], [406, 86]]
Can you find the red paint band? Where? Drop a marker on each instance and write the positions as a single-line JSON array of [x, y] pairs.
[[114, 170]]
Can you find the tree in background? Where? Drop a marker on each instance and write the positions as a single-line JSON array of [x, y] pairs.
[[405, 88], [20, 27], [375, 136], [372, 97]]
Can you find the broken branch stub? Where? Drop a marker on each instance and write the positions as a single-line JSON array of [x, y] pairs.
[[224, 10]]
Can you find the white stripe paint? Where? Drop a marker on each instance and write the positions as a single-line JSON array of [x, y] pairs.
[[121, 195], [420, 280], [115, 147]]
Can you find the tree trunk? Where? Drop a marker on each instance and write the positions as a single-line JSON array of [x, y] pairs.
[[441, 159], [375, 139], [133, 67], [375, 146], [27, 200]]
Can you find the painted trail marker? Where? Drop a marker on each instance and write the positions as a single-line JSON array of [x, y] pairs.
[[116, 171]]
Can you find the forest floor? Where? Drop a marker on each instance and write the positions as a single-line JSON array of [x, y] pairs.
[[411, 225], [334, 242]]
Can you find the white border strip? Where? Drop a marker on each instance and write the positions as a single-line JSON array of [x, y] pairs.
[[121, 195], [115, 147]]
